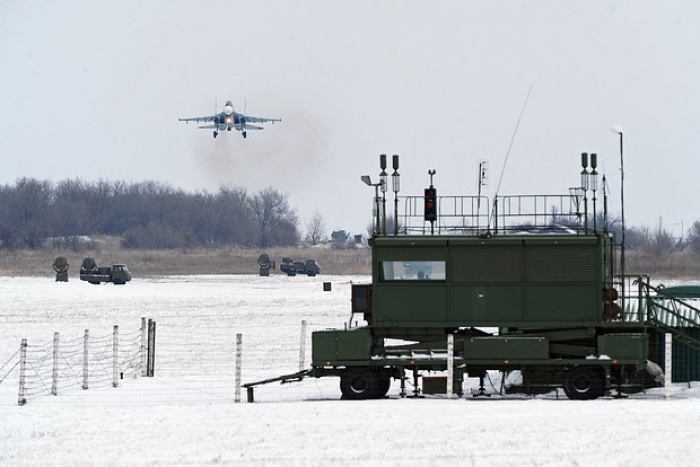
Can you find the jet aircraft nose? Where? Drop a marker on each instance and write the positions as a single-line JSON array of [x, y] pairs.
[[228, 108]]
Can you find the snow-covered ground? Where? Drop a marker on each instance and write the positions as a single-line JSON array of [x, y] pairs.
[[186, 414]]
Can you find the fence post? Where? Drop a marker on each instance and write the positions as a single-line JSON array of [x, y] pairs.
[[668, 364], [239, 354], [115, 358], [144, 346], [151, 365], [54, 373], [22, 398], [302, 346], [86, 341], [450, 364]]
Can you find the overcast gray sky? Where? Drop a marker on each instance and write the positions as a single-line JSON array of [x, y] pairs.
[[93, 89]]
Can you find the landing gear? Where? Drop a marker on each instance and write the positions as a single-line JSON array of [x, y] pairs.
[[244, 134], [216, 133]]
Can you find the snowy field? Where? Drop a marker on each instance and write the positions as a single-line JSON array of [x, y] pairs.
[[186, 414]]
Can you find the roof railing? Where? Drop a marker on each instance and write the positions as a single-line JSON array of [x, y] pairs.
[[475, 215]]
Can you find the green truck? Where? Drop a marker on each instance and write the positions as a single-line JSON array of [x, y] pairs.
[[309, 267], [117, 274], [530, 287]]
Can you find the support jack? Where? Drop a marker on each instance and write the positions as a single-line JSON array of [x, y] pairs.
[[416, 388], [481, 392]]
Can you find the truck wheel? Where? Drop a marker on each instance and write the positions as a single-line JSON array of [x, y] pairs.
[[359, 384], [584, 383], [383, 385]]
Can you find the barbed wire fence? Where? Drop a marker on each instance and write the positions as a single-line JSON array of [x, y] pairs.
[[89, 361], [198, 358], [209, 360]]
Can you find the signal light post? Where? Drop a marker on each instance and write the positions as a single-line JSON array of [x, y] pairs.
[[383, 178], [430, 203], [396, 183]]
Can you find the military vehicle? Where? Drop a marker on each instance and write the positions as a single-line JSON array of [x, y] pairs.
[[309, 267], [530, 286], [117, 273]]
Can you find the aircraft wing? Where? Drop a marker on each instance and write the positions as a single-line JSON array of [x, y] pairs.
[[248, 126], [205, 119], [250, 118]]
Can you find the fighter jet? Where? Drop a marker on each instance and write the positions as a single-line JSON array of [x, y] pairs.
[[229, 118]]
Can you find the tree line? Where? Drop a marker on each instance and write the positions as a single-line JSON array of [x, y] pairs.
[[151, 214], [144, 214], [657, 241]]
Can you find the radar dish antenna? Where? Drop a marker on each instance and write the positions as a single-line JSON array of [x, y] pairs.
[[61, 266]]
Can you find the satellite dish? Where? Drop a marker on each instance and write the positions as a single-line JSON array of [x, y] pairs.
[[264, 260], [89, 264], [60, 266]]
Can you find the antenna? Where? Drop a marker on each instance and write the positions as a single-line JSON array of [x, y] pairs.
[[510, 146], [512, 139], [482, 181]]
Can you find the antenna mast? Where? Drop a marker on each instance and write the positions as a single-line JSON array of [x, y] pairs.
[[510, 146], [482, 181]]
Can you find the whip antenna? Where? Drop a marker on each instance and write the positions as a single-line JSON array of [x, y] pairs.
[[512, 139], [510, 146]]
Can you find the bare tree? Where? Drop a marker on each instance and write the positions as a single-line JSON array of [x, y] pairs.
[[32, 201], [234, 218], [315, 228], [276, 221], [694, 238], [144, 214]]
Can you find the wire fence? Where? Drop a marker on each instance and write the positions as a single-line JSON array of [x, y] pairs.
[[63, 365], [199, 358], [193, 358]]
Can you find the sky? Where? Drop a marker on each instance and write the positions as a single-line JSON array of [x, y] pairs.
[[93, 89]]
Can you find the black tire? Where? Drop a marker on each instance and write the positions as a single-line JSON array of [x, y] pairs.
[[95, 282], [358, 384], [584, 383], [383, 385]]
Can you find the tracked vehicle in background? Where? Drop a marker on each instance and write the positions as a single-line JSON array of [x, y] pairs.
[[529, 286]]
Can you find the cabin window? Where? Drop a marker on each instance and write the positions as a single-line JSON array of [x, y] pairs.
[[413, 270]]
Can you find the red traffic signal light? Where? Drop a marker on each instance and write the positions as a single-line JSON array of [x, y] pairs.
[[430, 203]]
